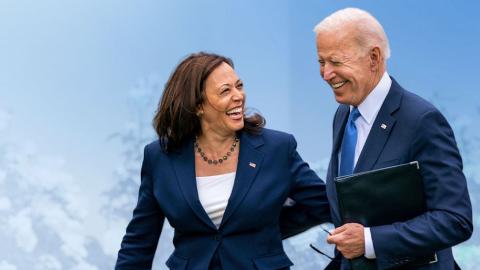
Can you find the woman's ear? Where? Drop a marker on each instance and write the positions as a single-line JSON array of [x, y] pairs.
[[199, 111]]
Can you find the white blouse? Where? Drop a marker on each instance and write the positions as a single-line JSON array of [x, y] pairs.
[[214, 192]]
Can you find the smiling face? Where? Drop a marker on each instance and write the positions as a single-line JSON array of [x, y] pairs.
[[223, 108], [351, 71]]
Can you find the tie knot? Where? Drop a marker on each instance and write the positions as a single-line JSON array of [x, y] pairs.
[[354, 114]]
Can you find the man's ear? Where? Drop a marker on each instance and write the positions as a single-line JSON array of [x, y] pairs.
[[375, 58]]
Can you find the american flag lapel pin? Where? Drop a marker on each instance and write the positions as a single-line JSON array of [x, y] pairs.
[[251, 164], [383, 126]]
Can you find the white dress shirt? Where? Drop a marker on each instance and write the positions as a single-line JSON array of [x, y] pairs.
[[214, 192], [369, 110]]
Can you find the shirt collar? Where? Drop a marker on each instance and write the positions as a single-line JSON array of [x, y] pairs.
[[372, 103]]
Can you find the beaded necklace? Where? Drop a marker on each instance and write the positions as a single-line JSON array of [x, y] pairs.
[[216, 161]]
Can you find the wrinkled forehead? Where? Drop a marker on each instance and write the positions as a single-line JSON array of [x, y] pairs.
[[342, 41], [331, 44]]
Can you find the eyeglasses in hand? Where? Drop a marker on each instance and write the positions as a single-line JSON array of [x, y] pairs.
[[321, 252]]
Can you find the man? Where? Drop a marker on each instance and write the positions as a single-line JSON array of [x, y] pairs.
[[379, 124]]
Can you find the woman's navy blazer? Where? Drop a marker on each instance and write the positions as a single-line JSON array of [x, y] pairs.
[[250, 235]]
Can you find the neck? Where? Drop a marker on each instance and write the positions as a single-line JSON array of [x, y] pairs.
[[215, 143], [377, 76]]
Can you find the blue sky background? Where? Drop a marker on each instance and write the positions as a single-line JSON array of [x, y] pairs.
[[75, 73]]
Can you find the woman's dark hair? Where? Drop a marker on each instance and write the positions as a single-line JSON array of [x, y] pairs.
[[176, 118]]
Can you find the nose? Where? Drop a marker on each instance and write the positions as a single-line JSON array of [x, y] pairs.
[[327, 72], [238, 95]]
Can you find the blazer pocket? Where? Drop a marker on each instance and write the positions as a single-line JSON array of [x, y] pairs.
[[271, 262], [175, 262]]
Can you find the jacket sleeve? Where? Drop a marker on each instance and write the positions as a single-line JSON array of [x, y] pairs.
[[448, 220], [142, 234], [309, 204]]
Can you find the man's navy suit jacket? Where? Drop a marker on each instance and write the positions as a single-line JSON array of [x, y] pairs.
[[250, 235], [415, 130]]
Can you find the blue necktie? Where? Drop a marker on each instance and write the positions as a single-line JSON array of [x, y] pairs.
[[349, 143]]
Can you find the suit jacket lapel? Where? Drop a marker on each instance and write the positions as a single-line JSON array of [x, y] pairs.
[[249, 163], [184, 166], [340, 122], [381, 129]]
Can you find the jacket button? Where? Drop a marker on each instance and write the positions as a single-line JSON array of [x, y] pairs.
[[217, 237]]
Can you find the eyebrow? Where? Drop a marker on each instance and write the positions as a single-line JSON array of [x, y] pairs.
[[333, 58], [227, 84]]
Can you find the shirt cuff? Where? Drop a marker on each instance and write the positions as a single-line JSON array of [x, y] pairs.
[[369, 251]]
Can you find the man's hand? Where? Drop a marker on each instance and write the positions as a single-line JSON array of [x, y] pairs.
[[350, 240]]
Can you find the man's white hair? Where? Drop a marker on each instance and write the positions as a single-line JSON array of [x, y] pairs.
[[369, 32]]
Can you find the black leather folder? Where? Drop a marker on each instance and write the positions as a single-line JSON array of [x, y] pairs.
[[380, 197]]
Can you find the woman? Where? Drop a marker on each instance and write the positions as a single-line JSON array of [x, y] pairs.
[[220, 179]]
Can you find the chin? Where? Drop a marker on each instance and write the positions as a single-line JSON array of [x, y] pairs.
[[346, 100], [341, 100], [237, 127]]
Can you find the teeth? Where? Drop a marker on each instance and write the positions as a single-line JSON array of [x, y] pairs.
[[236, 110], [338, 85]]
